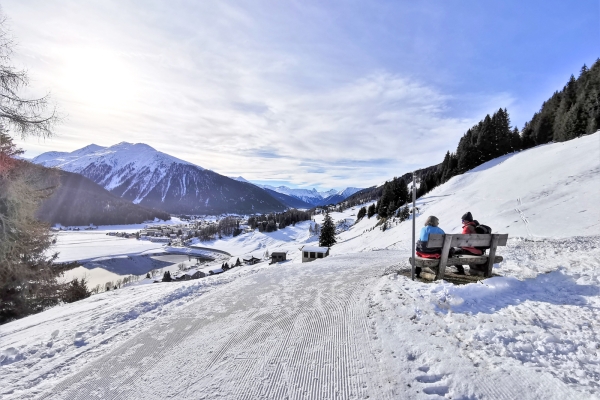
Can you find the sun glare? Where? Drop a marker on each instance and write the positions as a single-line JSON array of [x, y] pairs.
[[99, 78]]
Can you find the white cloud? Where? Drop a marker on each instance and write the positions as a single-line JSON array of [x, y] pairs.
[[234, 90]]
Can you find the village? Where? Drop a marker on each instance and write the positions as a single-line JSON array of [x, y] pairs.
[[185, 236]]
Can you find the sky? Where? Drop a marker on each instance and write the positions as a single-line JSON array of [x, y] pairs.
[[309, 94]]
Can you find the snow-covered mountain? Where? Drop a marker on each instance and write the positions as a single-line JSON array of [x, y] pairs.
[[342, 195], [313, 196], [143, 175]]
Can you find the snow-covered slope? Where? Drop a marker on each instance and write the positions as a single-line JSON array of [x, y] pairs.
[[141, 174], [550, 191], [349, 325]]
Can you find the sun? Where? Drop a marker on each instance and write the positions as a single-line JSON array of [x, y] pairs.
[[98, 78]]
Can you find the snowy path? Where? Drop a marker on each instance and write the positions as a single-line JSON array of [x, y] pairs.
[[292, 332], [345, 327]]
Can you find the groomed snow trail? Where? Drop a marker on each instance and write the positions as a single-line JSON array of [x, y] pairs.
[[345, 327], [294, 332]]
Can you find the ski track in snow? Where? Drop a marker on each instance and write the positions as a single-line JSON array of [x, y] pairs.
[[523, 217], [304, 336], [349, 327]]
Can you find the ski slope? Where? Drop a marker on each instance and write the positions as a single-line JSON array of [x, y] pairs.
[[349, 326]]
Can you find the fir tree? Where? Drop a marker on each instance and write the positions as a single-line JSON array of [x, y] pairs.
[[327, 238], [371, 211], [361, 213]]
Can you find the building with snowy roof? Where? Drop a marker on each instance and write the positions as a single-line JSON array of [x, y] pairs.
[[311, 253], [251, 260], [278, 256]]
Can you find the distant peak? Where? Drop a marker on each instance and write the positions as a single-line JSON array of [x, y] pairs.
[[90, 148]]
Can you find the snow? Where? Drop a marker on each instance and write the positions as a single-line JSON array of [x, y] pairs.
[[88, 245], [315, 249], [353, 325], [349, 191], [138, 155]]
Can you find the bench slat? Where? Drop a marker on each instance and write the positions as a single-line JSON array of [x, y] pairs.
[[457, 260], [436, 240]]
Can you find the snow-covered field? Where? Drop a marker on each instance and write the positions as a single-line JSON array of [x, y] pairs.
[[350, 326]]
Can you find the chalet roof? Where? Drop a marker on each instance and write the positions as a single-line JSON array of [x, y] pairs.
[[315, 249], [250, 258], [279, 253]]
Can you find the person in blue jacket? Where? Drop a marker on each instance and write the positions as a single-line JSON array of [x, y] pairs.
[[431, 226]]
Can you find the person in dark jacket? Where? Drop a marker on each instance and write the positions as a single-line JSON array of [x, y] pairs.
[[469, 225]]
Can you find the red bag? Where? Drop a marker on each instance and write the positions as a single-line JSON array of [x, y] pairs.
[[428, 255]]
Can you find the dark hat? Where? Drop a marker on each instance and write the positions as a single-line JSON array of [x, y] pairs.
[[467, 217]]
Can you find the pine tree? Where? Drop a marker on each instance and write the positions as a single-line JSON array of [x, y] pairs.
[[515, 140], [385, 200], [327, 238], [361, 213], [371, 211]]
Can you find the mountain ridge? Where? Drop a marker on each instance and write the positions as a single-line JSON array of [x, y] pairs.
[[143, 175]]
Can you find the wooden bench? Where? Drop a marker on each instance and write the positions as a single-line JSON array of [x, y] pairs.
[[445, 242]]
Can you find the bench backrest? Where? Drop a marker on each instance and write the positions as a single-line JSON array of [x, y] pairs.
[[436, 240]]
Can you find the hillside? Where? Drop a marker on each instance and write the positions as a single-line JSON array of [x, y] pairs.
[[353, 325], [145, 176], [531, 194], [79, 201]]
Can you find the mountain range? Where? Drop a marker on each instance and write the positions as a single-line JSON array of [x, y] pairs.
[[153, 179], [309, 197]]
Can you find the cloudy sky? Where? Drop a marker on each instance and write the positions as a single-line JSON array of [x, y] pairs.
[[324, 94]]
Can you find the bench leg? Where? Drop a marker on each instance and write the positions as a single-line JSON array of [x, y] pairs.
[[444, 258], [492, 255]]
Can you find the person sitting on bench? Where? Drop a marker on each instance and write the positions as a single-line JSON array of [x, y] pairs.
[[468, 229], [431, 226]]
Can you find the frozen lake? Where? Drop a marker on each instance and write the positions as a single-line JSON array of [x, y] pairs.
[[110, 269]]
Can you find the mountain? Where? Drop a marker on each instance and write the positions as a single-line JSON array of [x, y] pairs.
[[289, 201], [342, 195], [145, 176], [313, 197], [79, 201]]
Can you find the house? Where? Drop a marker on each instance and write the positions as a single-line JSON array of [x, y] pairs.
[[278, 256], [251, 260], [311, 253], [215, 271], [194, 274]]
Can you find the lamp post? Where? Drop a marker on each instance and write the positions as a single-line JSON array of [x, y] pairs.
[[414, 199]]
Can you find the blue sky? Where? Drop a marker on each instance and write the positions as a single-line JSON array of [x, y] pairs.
[[306, 93]]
